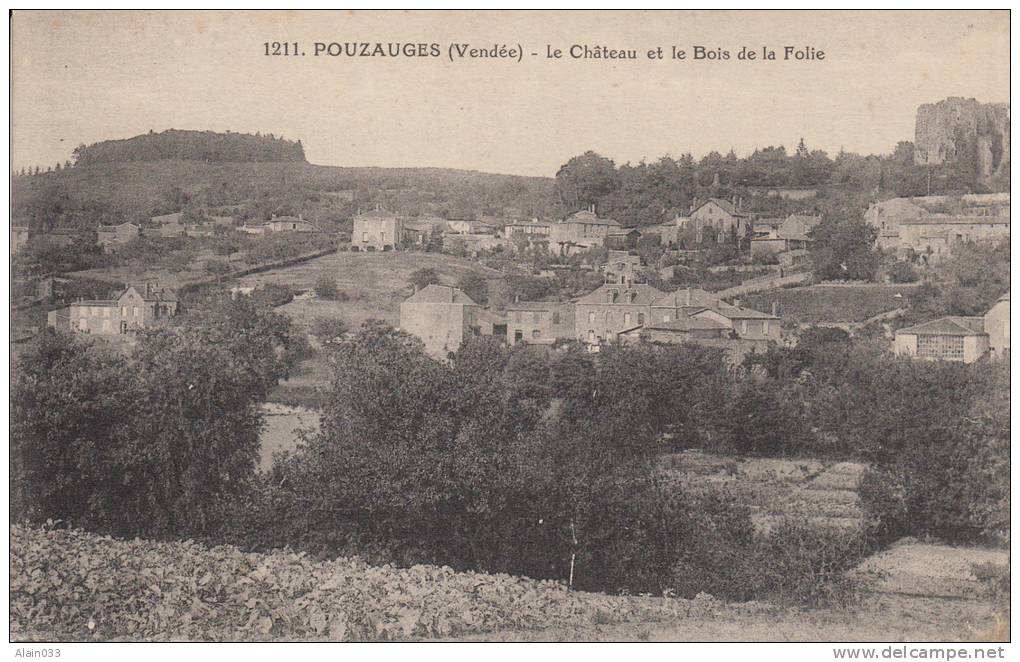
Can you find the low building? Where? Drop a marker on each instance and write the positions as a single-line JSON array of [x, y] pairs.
[[111, 236], [256, 229], [623, 239], [790, 234], [539, 322], [442, 317], [60, 237], [124, 312], [463, 226], [532, 230], [961, 339], [744, 323], [377, 230], [621, 267], [290, 224]]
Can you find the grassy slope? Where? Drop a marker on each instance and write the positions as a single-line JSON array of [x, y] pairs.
[[821, 303]]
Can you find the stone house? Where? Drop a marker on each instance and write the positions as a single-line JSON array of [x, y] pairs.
[[742, 323], [441, 317], [612, 309], [580, 231], [623, 239], [790, 234], [933, 237], [723, 216], [539, 322], [621, 267], [110, 236], [378, 230], [124, 312]]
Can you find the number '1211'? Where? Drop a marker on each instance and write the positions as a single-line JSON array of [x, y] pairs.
[[282, 48]]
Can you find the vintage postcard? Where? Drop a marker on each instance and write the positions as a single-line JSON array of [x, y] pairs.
[[510, 326]]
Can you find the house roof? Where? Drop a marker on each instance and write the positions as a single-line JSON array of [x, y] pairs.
[[646, 294], [680, 299], [956, 220], [534, 305], [110, 228], [947, 326], [377, 213], [167, 218], [741, 313], [726, 206], [590, 218], [440, 294]]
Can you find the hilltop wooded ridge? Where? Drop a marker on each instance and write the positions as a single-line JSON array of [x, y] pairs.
[[192, 146]]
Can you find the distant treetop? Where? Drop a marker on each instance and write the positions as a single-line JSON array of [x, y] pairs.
[[192, 146]]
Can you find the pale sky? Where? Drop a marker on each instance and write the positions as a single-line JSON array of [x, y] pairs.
[[82, 77]]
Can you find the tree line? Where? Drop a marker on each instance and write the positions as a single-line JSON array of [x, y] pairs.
[[191, 146]]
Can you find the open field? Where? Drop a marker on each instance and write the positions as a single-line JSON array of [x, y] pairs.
[[166, 276], [375, 283], [824, 493], [826, 303], [73, 586]]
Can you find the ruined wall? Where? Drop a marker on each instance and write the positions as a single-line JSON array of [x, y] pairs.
[[958, 130]]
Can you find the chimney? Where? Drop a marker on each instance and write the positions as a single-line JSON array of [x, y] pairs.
[[775, 309], [736, 302], [517, 298]]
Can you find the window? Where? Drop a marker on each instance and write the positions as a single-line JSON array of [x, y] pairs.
[[591, 336], [364, 236], [765, 327], [743, 326], [556, 317], [626, 320], [940, 347], [123, 311], [665, 318], [641, 319], [517, 316], [608, 316], [134, 311], [536, 333], [591, 317]]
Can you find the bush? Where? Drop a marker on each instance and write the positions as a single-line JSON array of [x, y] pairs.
[[328, 329], [902, 272], [325, 287]]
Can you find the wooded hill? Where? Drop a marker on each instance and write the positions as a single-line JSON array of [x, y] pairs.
[[192, 145]]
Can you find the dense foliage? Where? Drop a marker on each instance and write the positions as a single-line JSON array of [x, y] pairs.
[[148, 443], [190, 145]]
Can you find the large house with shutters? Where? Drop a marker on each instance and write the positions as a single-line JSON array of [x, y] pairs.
[[715, 219], [612, 309], [580, 231], [124, 312], [377, 230]]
